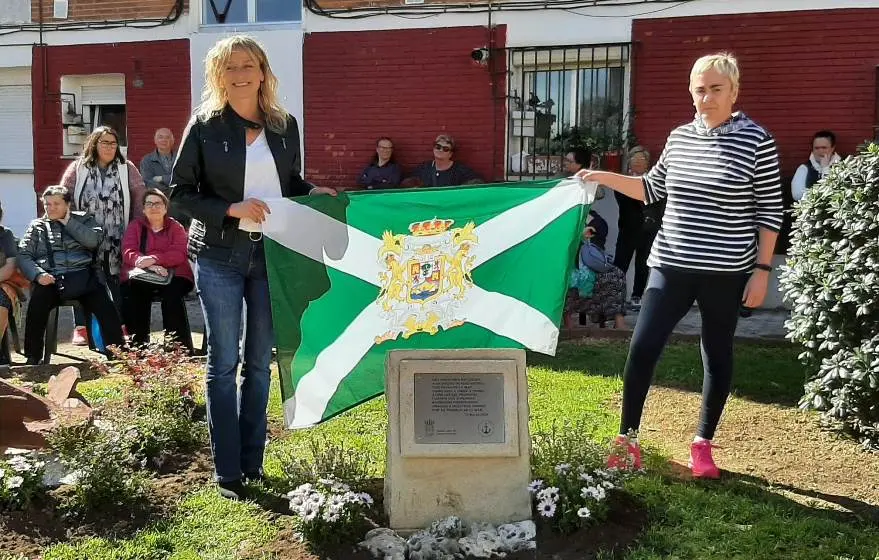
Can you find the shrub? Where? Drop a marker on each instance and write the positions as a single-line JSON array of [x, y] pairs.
[[832, 281], [21, 479], [105, 470], [573, 496], [329, 511], [325, 458], [565, 442], [156, 412]]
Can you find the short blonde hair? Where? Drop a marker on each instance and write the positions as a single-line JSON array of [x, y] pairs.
[[723, 62], [214, 96]]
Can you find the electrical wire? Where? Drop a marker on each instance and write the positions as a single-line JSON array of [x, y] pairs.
[[431, 10], [680, 2], [147, 23]]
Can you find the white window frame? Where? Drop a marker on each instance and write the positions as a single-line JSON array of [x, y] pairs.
[[251, 17], [608, 56]]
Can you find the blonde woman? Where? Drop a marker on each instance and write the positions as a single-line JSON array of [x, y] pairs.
[[719, 174], [240, 148]]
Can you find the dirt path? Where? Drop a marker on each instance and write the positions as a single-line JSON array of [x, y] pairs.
[[781, 445]]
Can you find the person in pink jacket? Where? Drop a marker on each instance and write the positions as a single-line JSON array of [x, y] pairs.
[[156, 244]]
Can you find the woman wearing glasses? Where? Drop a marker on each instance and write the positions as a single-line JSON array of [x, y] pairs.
[[156, 243], [382, 172], [443, 170], [107, 186]]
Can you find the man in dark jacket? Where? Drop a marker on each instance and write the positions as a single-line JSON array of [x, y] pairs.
[[56, 253]]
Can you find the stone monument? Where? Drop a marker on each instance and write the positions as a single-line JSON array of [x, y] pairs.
[[458, 441]]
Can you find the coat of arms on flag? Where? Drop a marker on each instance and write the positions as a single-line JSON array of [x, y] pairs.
[[428, 274]]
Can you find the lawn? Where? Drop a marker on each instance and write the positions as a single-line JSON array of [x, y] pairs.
[[742, 516]]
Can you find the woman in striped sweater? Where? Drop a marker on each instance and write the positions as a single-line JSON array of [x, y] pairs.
[[719, 175]]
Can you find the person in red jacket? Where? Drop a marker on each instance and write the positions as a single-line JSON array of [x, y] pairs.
[[156, 243]]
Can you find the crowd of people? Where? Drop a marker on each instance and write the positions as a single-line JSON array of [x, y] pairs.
[[700, 226]]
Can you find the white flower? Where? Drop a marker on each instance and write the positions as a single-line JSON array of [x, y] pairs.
[[337, 502], [19, 463], [317, 499], [365, 498], [326, 481], [549, 494], [587, 478], [296, 501], [2, 473], [14, 482], [564, 468], [546, 508], [309, 511], [608, 484], [340, 487], [304, 488], [535, 486], [330, 516], [583, 512], [600, 494], [587, 493]]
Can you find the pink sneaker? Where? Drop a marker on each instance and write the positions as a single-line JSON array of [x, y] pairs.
[[624, 455], [80, 337], [701, 463]]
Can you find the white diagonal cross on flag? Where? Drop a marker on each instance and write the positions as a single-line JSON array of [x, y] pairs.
[[494, 311]]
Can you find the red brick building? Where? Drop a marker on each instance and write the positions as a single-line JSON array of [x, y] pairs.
[[801, 72], [409, 85], [150, 80]]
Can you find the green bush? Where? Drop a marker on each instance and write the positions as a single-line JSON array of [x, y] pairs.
[[21, 479], [832, 281], [105, 470], [323, 457]]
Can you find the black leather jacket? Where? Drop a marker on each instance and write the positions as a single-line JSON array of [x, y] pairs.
[[208, 177], [73, 245]]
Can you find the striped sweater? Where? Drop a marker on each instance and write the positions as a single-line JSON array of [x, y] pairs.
[[721, 185]]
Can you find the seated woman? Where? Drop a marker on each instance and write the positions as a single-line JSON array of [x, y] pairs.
[[608, 298], [156, 243], [382, 172], [11, 285], [442, 170], [57, 254]]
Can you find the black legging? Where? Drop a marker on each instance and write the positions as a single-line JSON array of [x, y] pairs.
[[669, 295]]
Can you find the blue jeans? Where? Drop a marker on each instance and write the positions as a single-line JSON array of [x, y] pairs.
[[237, 415]]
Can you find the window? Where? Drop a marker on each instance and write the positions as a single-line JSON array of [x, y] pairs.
[[561, 98], [88, 102], [220, 12]]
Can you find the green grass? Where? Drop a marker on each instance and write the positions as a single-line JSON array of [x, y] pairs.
[[204, 527], [739, 517]]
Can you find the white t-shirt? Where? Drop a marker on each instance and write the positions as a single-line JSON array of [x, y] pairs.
[[260, 177]]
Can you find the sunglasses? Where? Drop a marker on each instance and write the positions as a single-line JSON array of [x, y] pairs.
[[442, 147], [153, 204]]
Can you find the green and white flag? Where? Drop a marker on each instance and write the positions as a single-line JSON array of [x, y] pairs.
[[354, 276]]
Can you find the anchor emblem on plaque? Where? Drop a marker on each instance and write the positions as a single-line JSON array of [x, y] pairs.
[[486, 428]]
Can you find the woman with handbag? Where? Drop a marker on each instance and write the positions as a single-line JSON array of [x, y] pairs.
[[57, 254], [107, 186], [240, 148], [154, 263]]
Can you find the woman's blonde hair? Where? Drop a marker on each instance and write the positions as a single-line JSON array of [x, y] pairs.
[[723, 62], [214, 96]]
